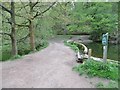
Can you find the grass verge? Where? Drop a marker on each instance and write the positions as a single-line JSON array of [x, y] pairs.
[[94, 68]]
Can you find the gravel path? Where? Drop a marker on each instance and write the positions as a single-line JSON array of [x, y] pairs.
[[49, 68]]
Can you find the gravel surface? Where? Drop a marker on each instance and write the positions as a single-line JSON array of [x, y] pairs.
[[48, 68]]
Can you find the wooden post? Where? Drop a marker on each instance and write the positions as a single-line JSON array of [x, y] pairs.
[[105, 53], [79, 57], [105, 44], [89, 53]]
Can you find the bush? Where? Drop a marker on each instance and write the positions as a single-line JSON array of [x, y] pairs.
[[94, 68], [5, 52]]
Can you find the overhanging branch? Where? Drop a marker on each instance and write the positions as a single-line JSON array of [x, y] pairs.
[[4, 8], [38, 14], [4, 33], [35, 4], [22, 25]]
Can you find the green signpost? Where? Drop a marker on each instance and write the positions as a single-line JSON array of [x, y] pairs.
[[105, 44]]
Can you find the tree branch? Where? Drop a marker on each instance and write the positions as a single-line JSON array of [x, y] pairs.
[[6, 22], [4, 8], [20, 8], [24, 7], [22, 25], [38, 14], [35, 4], [4, 33]]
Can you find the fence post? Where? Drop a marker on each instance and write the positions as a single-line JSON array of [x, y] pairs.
[[89, 53]]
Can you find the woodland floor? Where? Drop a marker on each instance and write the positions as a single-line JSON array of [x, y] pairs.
[[48, 68]]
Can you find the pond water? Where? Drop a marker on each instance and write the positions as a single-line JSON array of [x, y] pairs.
[[97, 50]]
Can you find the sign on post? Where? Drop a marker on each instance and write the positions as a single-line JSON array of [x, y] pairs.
[[105, 39], [105, 44]]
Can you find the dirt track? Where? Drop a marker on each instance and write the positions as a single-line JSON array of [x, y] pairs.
[[49, 68]]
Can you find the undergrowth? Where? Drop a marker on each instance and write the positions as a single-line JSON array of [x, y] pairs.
[[111, 84], [23, 49], [15, 57], [94, 68]]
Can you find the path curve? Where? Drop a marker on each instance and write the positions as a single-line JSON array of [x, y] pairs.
[[48, 68]]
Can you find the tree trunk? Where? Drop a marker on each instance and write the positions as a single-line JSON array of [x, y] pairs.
[[13, 31], [31, 31], [31, 27]]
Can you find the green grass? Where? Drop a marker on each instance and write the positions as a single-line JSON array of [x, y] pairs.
[[94, 68]]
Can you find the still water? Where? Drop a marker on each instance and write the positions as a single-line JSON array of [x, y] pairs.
[[97, 50]]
